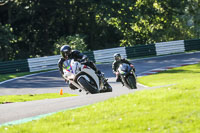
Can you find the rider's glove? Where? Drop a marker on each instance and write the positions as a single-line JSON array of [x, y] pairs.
[[132, 65]]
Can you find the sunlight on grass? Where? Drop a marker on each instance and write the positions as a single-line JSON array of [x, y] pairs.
[[164, 110], [31, 97], [180, 75]]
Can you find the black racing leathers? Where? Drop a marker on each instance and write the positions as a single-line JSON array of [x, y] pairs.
[[115, 64]]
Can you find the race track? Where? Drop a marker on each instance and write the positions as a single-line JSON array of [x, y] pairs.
[[51, 82]]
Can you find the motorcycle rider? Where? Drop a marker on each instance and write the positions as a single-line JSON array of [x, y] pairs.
[[115, 65], [68, 53]]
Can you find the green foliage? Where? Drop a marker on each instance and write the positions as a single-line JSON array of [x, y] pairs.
[[6, 40], [38, 25], [146, 22], [76, 42]]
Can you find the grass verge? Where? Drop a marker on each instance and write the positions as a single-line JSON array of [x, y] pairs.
[[170, 109], [186, 76], [31, 97]]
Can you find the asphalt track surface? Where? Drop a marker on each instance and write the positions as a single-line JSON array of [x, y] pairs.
[[51, 82]]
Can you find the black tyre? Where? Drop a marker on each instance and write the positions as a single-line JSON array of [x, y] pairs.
[[131, 80], [87, 86]]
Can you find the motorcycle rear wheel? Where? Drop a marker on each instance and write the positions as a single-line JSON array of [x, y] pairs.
[[87, 86]]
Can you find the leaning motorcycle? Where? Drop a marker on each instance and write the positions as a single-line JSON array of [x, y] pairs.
[[84, 78], [127, 75]]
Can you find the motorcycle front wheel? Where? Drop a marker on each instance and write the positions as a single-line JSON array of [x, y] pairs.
[[87, 86], [131, 80]]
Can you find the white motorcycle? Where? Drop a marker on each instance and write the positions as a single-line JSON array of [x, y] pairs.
[[84, 78]]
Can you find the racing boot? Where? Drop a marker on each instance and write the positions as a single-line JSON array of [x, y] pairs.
[[106, 86]]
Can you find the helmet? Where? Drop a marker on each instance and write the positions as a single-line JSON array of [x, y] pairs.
[[117, 56], [65, 50]]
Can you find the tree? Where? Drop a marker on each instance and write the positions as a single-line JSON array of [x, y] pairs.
[[76, 42], [6, 40], [38, 24]]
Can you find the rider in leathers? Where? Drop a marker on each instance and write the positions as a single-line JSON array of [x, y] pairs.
[[68, 53], [115, 65]]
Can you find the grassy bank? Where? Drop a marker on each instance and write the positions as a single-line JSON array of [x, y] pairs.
[[31, 97], [187, 77], [170, 109]]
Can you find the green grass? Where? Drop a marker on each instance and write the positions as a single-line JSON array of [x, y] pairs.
[[174, 109], [184, 77], [4, 77], [31, 97]]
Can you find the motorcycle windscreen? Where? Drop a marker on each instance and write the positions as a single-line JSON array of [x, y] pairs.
[[124, 68]]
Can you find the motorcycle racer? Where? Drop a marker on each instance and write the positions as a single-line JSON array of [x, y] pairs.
[[68, 53], [115, 65]]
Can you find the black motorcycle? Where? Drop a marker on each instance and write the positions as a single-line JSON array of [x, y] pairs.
[[127, 76]]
